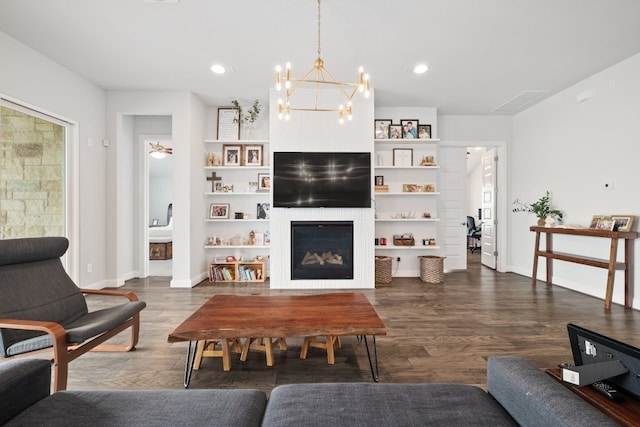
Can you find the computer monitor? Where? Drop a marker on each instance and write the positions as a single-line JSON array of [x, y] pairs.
[[589, 348]]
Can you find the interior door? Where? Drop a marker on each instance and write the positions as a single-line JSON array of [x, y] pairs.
[[489, 220], [453, 196]]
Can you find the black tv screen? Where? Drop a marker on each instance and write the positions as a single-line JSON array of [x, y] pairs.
[[321, 180]]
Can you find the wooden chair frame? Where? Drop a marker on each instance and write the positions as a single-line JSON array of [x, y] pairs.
[[65, 352]]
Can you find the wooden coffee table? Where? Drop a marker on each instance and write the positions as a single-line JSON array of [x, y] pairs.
[[238, 316]]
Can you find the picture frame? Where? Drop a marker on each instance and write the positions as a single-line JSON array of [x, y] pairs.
[[219, 211], [594, 221], [395, 131], [623, 222], [605, 224], [403, 157], [424, 131], [409, 128], [228, 124], [379, 180], [381, 128], [263, 210], [218, 187], [252, 155], [264, 182], [231, 155]]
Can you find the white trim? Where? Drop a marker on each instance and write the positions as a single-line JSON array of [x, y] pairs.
[[501, 195]]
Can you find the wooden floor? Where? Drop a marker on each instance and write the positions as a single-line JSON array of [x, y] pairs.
[[435, 333]]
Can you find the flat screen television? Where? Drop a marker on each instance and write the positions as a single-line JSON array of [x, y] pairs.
[[321, 180], [591, 348]]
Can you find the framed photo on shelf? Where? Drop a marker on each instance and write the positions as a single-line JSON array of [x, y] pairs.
[[381, 128], [379, 180], [409, 128], [395, 131], [424, 131], [594, 221], [402, 157], [263, 210], [623, 222], [264, 182], [219, 211], [252, 155], [218, 187], [231, 155], [228, 123], [606, 224]]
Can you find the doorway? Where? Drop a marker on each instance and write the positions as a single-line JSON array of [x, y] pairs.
[[482, 209]]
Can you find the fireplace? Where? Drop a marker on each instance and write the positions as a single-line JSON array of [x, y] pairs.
[[321, 250]]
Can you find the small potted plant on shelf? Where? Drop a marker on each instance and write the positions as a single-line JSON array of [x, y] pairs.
[[249, 118], [541, 209]]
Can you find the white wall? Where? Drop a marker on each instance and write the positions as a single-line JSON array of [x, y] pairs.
[[572, 149], [30, 78], [187, 114], [321, 132]]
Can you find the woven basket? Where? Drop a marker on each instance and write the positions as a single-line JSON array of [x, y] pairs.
[[432, 269], [407, 241], [383, 269]]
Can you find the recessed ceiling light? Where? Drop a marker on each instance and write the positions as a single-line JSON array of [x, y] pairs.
[[420, 69], [218, 69]]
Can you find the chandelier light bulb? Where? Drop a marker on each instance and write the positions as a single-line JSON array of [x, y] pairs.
[[287, 82], [278, 77]]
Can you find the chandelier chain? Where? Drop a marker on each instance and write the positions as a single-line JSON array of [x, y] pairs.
[[318, 28]]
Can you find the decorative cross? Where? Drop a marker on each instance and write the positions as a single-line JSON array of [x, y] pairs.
[[213, 178]]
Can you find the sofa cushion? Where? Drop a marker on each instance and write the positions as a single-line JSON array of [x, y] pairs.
[[368, 404], [23, 382], [534, 398], [147, 408]]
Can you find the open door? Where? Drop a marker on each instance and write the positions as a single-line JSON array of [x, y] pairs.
[[453, 219], [488, 242]]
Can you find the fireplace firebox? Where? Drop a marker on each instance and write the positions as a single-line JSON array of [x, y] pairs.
[[321, 250]]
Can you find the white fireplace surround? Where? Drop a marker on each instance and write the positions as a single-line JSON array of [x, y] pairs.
[[316, 131]]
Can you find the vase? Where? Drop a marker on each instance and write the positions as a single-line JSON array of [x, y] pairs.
[[541, 222], [248, 131]]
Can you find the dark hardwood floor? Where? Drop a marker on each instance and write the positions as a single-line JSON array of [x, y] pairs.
[[435, 333]]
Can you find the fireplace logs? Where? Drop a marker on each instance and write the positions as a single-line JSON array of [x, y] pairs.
[[326, 257]]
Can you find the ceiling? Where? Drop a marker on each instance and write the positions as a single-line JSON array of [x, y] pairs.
[[481, 53]]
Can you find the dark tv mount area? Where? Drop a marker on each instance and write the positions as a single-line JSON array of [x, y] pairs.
[[600, 358]]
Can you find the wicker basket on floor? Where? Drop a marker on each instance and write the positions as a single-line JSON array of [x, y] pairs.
[[432, 269], [383, 269]]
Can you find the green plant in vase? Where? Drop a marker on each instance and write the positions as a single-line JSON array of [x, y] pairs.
[[540, 208], [248, 118]]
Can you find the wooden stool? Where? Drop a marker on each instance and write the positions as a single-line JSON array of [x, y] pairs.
[[262, 344], [330, 342], [208, 349]]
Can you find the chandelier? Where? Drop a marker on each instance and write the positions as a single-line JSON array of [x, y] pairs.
[[320, 78]]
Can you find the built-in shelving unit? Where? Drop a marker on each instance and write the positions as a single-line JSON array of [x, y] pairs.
[[240, 194], [410, 198]]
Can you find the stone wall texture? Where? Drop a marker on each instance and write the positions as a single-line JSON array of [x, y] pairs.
[[32, 166]]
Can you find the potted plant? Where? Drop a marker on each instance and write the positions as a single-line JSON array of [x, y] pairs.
[[541, 209]]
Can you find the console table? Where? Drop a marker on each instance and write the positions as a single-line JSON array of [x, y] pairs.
[[610, 264], [625, 412]]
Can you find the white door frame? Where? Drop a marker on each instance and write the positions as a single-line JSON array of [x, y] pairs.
[[143, 201], [502, 205]]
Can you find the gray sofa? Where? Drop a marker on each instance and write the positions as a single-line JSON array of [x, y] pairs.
[[519, 394]]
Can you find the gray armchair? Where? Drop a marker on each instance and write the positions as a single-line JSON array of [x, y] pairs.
[[42, 309]]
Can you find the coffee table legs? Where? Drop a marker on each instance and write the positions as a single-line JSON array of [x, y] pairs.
[[374, 374], [191, 357]]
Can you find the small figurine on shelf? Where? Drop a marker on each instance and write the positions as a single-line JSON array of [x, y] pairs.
[[213, 159], [252, 238], [427, 161]]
